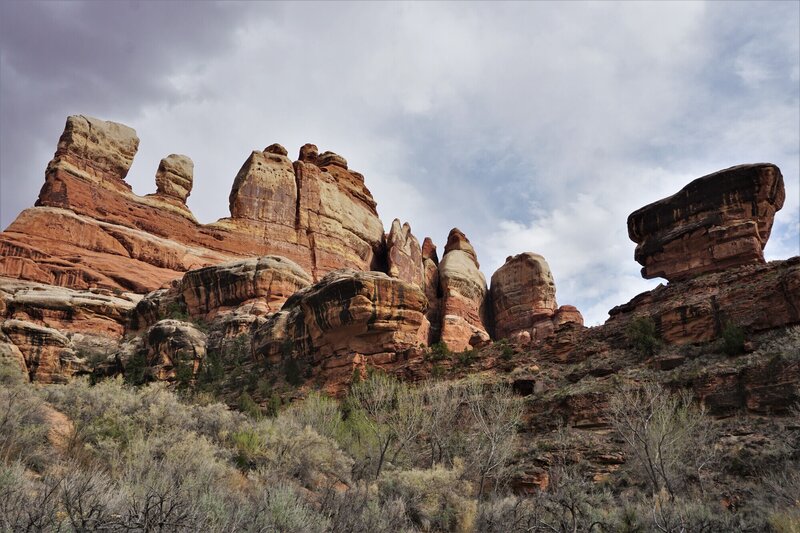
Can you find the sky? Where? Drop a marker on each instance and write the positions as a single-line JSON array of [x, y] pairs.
[[530, 126]]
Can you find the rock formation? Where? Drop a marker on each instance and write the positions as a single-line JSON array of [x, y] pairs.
[[88, 229], [174, 350], [174, 177], [344, 321], [464, 291], [523, 297], [404, 255], [433, 290], [716, 222]]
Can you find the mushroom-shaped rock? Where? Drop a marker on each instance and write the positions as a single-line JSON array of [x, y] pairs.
[[90, 150], [174, 177], [716, 222], [404, 254], [464, 294]]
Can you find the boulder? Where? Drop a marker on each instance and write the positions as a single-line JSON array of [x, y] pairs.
[[716, 222], [464, 295], [174, 350], [48, 354], [174, 177]]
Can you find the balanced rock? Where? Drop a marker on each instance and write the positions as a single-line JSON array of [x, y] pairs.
[[404, 255], [174, 177], [346, 319], [464, 295], [716, 222]]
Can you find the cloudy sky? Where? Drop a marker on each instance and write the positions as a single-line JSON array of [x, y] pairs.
[[530, 126]]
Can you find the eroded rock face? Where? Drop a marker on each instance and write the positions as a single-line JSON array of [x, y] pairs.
[[270, 279], [716, 222], [345, 320], [53, 333], [90, 230], [464, 295], [433, 291], [756, 297], [524, 300], [174, 350], [174, 177], [404, 255]]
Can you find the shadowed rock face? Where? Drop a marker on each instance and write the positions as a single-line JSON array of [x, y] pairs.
[[716, 222], [90, 230], [347, 319]]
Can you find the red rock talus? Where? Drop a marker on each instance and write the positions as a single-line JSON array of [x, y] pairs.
[[90, 230], [716, 222], [464, 295], [346, 319], [523, 297]]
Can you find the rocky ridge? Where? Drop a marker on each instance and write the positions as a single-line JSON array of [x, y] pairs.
[[303, 272]]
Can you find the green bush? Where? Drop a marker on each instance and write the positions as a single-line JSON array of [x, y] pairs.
[[249, 406], [438, 352], [733, 339], [291, 371], [642, 335]]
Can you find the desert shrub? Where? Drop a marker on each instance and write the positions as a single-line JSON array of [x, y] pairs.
[[27, 504], [137, 371], [281, 449], [733, 339], [248, 406], [495, 412], [438, 351], [435, 499], [467, 357], [89, 498], [357, 510], [280, 508], [22, 426], [317, 411], [176, 311], [642, 335], [668, 441], [506, 351]]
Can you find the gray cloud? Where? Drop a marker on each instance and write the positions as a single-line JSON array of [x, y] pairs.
[[529, 126]]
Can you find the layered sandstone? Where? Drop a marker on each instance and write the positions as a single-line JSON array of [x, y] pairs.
[[404, 255], [464, 295], [344, 321], [174, 350], [523, 296], [433, 290], [716, 222], [52, 333], [89, 229]]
